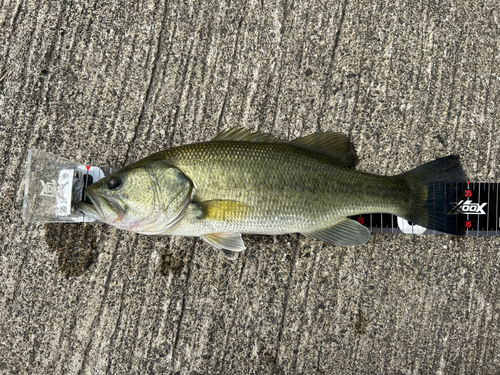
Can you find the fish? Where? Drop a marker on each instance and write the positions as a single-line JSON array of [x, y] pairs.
[[244, 182]]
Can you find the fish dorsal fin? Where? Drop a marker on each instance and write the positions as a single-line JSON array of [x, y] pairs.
[[336, 145], [345, 233], [244, 135]]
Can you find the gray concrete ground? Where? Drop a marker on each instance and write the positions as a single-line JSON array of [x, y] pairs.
[[109, 82]]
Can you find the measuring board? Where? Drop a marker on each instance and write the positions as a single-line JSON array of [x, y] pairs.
[[475, 206]]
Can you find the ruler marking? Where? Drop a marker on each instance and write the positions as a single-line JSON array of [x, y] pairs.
[[445, 208], [461, 184], [478, 200], [488, 211], [467, 233], [433, 200], [456, 197]]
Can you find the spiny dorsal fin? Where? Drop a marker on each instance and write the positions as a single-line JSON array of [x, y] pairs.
[[244, 135], [335, 145]]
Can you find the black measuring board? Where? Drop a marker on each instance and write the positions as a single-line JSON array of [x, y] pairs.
[[475, 206]]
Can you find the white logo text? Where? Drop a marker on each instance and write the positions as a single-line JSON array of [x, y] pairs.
[[467, 207]]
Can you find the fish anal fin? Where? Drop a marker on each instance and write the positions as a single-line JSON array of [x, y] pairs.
[[223, 210], [225, 240], [347, 232], [336, 145]]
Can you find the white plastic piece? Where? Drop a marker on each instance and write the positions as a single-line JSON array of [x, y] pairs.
[[408, 228]]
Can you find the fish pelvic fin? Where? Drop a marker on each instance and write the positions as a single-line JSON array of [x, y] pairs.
[[347, 232], [429, 199], [229, 255], [231, 241]]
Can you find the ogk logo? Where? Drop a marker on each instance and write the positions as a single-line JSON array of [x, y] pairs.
[[467, 207], [49, 189]]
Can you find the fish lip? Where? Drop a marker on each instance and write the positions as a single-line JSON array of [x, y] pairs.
[[97, 207], [87, 208], [93, 198], [93, 206]]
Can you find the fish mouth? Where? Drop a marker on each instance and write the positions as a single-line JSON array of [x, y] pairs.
[[95, 208]]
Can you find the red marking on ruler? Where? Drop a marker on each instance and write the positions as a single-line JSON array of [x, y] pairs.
[[88, 167]]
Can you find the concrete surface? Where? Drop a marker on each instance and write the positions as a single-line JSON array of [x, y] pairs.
[[109, 82]]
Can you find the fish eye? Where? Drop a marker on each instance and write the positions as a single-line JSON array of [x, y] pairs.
[[114, 183]]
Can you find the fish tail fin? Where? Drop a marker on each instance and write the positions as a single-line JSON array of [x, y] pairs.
[[430, 198]]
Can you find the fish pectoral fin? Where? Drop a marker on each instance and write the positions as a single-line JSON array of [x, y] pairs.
[[345, 233], [225, 240], [336, 145]]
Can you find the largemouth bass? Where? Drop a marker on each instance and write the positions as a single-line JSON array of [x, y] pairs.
[[244, 182]]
